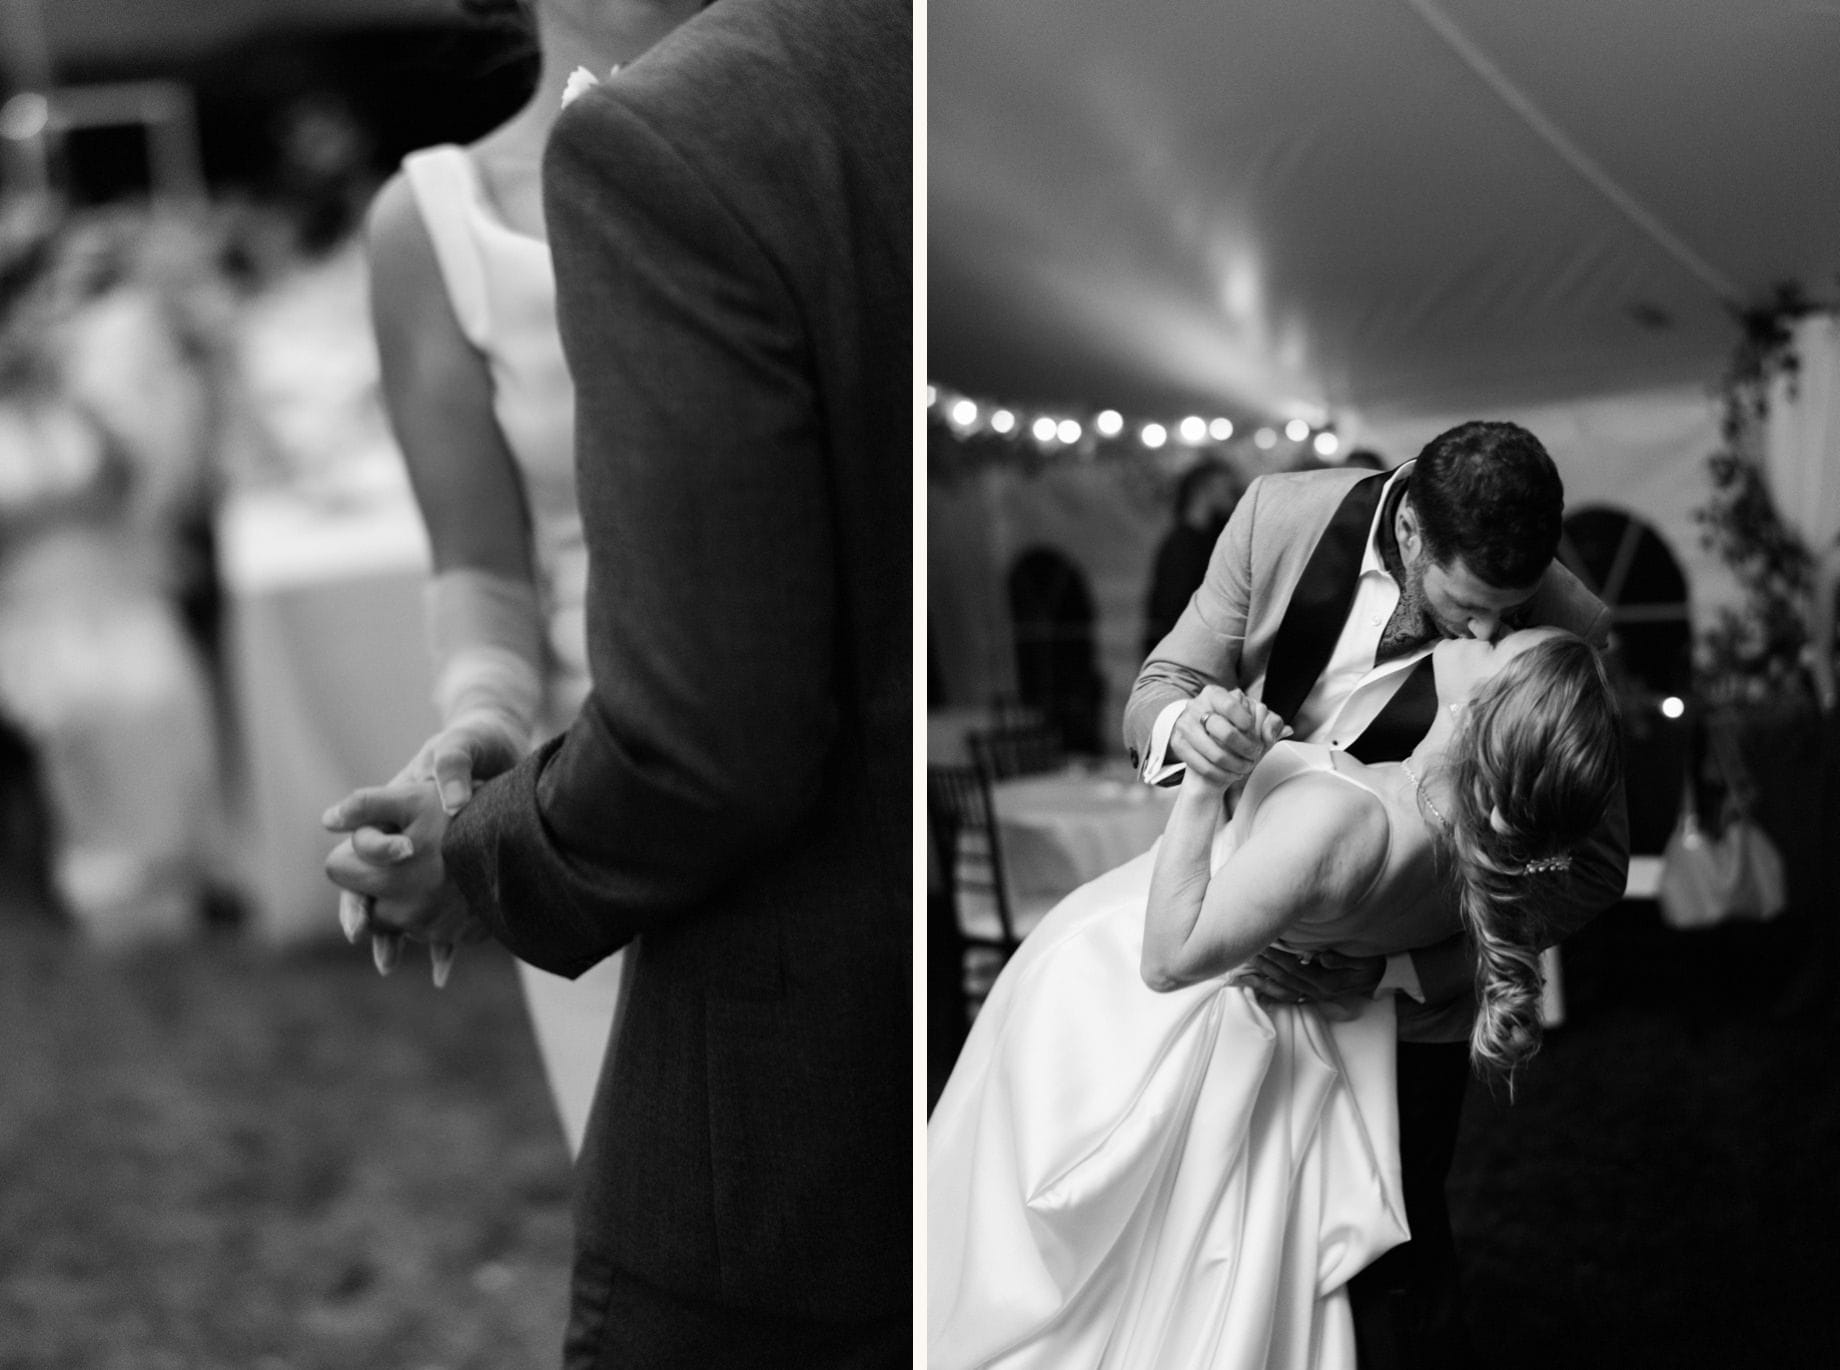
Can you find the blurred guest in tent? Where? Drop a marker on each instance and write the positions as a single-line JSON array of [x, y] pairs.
[[1204, 500], [110, 342]]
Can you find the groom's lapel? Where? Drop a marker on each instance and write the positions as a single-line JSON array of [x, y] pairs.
[[1319, 604], [1404, 721]]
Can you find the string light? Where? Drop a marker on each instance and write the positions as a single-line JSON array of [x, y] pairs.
[[1056, 433]]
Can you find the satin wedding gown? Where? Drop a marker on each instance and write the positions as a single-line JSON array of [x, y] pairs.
[[503, 292], [1121, 1178]]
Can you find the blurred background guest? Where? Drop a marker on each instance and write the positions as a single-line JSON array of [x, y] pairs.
[[106, 396], [1204, 499]]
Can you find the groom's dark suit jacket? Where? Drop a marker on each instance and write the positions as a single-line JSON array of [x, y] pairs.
[[731, 223]]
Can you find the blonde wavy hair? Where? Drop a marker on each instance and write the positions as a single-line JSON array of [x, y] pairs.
[[1537, 758]]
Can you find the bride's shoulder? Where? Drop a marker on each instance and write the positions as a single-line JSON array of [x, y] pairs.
[[1342, 832]]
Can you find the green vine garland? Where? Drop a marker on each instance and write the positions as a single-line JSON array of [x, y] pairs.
[[1754, 652]]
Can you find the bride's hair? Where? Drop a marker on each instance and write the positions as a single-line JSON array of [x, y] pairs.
[[1537, 758]]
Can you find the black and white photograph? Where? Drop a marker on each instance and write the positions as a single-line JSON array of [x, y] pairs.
[[457, 684], [1382, 494]]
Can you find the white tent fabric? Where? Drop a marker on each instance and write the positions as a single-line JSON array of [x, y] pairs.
[[1802, 435], [1368, 207]]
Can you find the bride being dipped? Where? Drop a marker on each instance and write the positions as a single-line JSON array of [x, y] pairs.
[[1136, 1161]]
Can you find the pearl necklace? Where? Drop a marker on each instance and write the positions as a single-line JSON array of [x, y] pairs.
[[1430, 803]]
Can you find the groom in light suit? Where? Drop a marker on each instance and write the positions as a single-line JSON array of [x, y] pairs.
[[1323, 599], [731, 221]]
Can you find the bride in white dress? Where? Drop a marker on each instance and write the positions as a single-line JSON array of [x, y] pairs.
[[481, 402], [1136, 1163]]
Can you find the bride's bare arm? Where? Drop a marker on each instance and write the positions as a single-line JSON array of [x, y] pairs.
[[1316, 842]]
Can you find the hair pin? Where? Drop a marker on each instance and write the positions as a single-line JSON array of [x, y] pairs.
[[1548, 864]]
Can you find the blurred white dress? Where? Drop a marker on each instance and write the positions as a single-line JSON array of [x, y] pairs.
[[97, 671], [503, 292], [1121, 1178]]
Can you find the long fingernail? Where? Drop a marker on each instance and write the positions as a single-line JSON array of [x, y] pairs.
[[351, 918], [454, 796], [386, 951], [441, 959], [332, 818], [399, 849]]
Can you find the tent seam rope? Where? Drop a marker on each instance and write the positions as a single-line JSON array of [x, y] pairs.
[[1511, 95]]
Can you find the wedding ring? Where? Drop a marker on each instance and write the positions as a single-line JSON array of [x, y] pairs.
[[1207, 716]]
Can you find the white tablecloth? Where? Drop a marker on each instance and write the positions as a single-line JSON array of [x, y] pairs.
[[1057, 831], [1062, 829], [329, 672]]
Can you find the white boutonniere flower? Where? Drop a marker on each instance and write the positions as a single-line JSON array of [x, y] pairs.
[[581, 80]]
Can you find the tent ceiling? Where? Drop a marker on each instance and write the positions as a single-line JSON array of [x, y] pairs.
[[1368, 205]]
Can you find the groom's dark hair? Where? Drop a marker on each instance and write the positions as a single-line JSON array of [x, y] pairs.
[[1489, 493]]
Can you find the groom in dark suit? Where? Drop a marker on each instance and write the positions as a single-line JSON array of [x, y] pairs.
[[1323, 599], [731, 222]]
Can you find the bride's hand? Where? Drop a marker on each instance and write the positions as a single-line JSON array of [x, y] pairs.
[[392, 879], [1246, 725], [470, 750]]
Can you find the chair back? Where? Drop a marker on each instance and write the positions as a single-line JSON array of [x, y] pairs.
[[970, 856]]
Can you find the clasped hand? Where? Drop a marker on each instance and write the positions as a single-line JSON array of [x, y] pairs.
[[392, 879], [1221, 734]]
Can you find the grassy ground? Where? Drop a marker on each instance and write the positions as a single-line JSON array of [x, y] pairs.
[[1664, 1189], [219, 1158]]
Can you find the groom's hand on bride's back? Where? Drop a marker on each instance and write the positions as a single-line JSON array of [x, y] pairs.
[[1285, 978]]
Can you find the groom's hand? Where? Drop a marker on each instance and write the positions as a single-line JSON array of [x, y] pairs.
[[1285, 978], [1221, 735]]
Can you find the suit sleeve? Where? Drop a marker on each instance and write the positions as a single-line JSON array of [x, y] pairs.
[[711, 600], [1204, 646]]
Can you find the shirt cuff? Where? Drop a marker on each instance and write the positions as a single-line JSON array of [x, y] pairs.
[[1401, 975], [1157, 768]]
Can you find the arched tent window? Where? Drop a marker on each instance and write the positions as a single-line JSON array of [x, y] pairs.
[[1629, 566], [1051, 615]]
